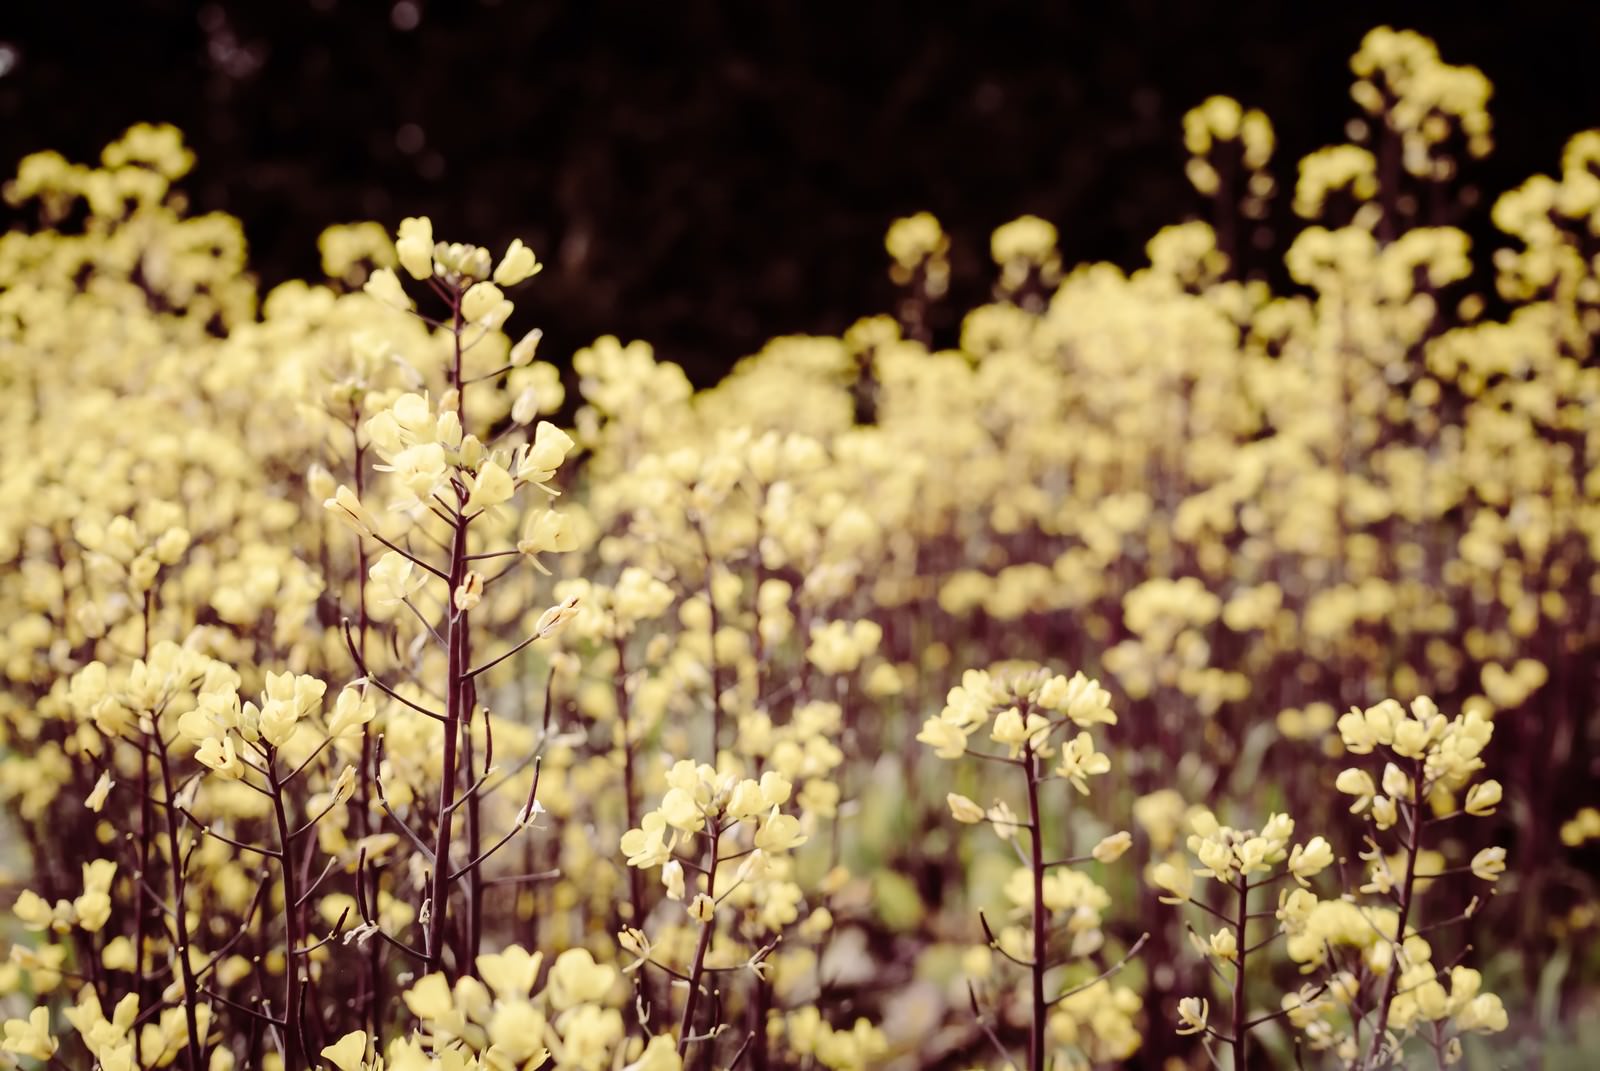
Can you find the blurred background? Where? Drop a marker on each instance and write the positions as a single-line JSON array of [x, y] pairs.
[[708, 175]]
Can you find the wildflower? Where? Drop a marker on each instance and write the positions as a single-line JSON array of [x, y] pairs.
[[1192, 1014], [1358, 783], [672, 878], [490, 487], [518, 264], [1483, 798], [1396, 784], [636, 943], [947, 741], [1310, 859], [963, 809], [347, 1053], [546, 533], [33, 910], [483, 304], [575, 978], [522, 353], [646, 846], [779, 833], [1112, 848], [1177, 880], [102, 789], [383, 285], [31, 1036], [468, 593], [661, 1054], [1081, 699], [414, 248], [93, 907], [1483, 1015], [556, 616], [537, 463], [1489, 864], [218, 754], [1011, 730], [1080, 761], [429, 998], [1004, 819]]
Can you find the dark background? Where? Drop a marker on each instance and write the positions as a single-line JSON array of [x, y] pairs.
[[707, 175]]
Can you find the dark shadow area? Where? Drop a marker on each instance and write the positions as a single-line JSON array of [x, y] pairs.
[[707, 175]]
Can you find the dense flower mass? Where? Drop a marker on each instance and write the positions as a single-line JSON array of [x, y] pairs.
[[1177, 667]]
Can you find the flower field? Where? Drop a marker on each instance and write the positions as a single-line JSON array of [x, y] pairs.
[[1193, 668]]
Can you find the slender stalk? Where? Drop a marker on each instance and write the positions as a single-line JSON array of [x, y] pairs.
[[1241, 923], [455, 690], [1407, 891], [369, 995], [146, 820], [180, 913], [294, 1045], [1038, 964], [629, 795], [691, 1002], [447, 780]]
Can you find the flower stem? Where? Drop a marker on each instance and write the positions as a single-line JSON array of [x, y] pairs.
[[1040, 939], [693, 999], [1377, 1054]]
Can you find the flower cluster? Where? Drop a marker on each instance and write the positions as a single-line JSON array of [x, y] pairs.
[[377, 693]]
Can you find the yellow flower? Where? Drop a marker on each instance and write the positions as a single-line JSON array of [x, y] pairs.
[[518, 264], [414, 248], [347, 1053], [522, 353], [517, 1031], [1080, 761], [1112, 848], [1310, 859], [1483, 1015], [469, 592], [1483, 798], [681, 811], [779, 833], [537, 463], [1004, 820], [1192, 1015], [31, 1036], [1489, 864], [660, 1055], [385, 286], [429, 997], [947, 741], [218, 754], [576, 979], [510, 973], [672, 879], [485, 305], [93, 908], [33, 910], [102, 789], [963, 809], [490, 487], [345, 787], [1176, 879], [1358, 783]]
